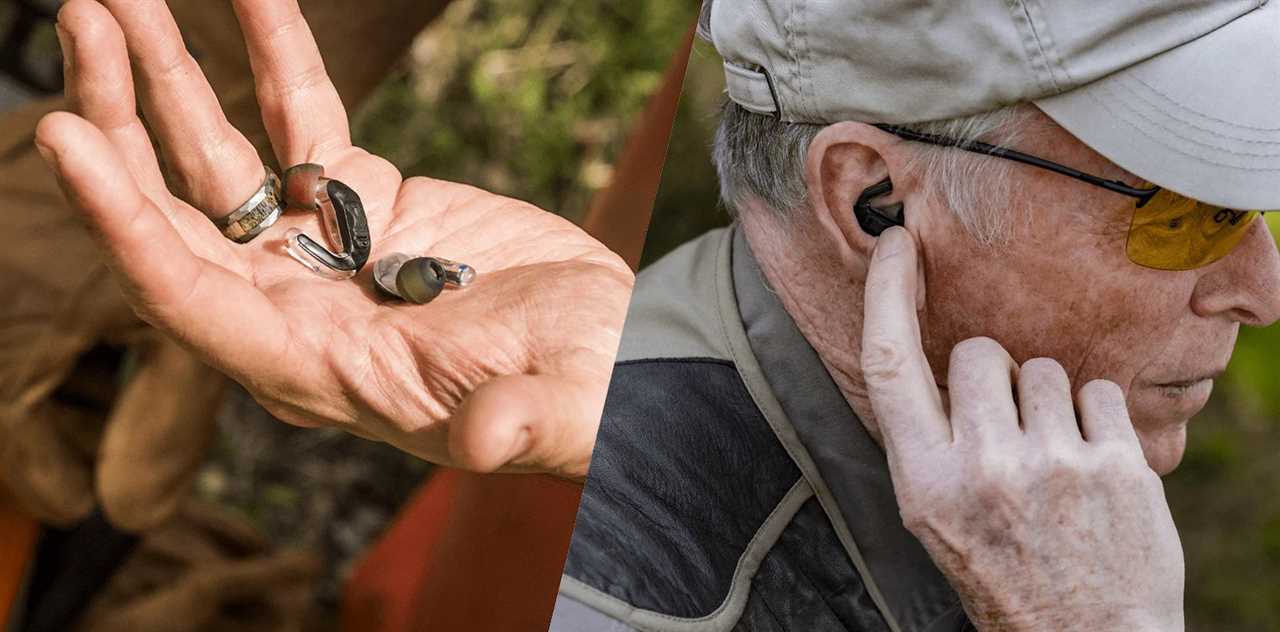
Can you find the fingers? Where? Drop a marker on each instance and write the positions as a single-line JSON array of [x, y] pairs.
[[536, 422], [202, 304], [216, 168], [100, 86], [980, 386], [900, 384], [157, 436], [982, 374], [43, 471], [1044, 398], [1104, 414], [241, 579], [301, 109]]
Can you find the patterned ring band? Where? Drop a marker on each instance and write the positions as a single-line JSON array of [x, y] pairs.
[[256, 215]]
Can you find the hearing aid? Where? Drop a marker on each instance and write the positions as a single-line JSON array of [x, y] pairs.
[[342, 219], [877, 219], [419, 280]]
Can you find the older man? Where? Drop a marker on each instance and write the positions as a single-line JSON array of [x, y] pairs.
[[989, 256]]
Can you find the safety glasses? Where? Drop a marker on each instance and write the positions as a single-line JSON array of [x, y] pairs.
[[1168, 231]]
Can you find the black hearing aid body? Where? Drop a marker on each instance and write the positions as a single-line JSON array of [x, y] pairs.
[[348, 217], [877, 219]]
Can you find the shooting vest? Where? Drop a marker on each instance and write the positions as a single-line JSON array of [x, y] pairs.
[[732, 487]]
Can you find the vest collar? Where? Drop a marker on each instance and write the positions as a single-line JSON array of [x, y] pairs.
[[833, 449]]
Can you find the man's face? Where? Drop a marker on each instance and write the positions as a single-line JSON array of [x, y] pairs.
[[1064, 288]]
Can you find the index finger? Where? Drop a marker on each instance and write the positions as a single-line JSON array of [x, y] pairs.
[[233, 325], [301, 109], [899, 382]]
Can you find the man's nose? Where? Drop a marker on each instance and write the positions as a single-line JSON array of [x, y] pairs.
[[1246, 284]]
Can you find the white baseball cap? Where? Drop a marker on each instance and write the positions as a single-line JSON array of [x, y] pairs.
[[1182, 93]]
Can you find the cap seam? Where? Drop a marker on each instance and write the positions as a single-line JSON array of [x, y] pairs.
[[805, 51], [1258, 5], [1033, 48], [1044, 36], [1179, 106], [804, 58], [795, 78], [1120, 115], [1176, 116]]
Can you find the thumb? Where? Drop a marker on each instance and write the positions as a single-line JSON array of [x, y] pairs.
[[528, 422]]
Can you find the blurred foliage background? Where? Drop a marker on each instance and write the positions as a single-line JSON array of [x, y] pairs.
[[1224, 496], [528, 98], [533, 98]]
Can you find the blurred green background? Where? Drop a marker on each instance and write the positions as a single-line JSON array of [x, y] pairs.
[[1223, 497], [529, 99], [533, 99]]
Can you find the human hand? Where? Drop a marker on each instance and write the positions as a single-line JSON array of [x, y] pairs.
[[1039, 522], [508, 374]]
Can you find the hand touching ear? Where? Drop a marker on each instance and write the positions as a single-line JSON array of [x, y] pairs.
[[1040, 508]]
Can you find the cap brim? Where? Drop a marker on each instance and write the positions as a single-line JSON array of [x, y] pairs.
[[1202, 119]]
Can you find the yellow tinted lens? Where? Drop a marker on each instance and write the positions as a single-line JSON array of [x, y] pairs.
[[1172, 232]]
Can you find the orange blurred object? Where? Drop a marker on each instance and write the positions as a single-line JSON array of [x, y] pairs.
[[619, 215], [17, 545], [469, 552], [485, 552]]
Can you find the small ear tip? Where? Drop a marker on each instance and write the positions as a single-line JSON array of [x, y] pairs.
[[300, 183], [420, 280]]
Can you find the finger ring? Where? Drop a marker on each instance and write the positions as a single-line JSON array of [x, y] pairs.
[[420, 279], [342, 217], [257, 214]]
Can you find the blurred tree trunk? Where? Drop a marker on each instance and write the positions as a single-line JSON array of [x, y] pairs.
[[619, 215]]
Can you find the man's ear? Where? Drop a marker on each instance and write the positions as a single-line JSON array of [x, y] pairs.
[[843, 161]]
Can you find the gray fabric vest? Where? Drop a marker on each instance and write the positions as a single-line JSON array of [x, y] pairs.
[[732, 487]]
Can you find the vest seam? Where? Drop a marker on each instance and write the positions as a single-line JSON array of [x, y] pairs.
[[792, 444], [734, 603]]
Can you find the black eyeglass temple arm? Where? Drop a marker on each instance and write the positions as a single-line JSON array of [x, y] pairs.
[[1143, 195]]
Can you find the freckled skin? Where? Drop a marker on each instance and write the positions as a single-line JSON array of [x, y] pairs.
[[1043, 511], [1063, 287]]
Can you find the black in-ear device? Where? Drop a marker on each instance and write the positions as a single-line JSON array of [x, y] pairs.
[[877, 219]]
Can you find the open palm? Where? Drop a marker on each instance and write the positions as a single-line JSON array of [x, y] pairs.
[[509, 373]]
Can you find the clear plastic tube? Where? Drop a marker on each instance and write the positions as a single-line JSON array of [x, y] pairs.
[[299, 254]]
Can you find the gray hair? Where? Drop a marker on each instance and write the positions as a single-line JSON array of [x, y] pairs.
[[760, 158]]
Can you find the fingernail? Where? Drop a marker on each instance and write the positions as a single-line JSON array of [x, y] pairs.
[[891, 242], [49, 156]]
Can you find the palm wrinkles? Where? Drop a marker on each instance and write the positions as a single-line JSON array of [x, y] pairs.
[[550, 307]]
